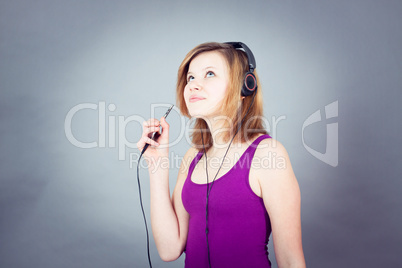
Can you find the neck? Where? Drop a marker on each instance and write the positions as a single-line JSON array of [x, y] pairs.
[[221, 126], [219, 130]]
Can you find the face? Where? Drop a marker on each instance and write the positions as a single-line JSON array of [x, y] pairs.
[[207, 82]]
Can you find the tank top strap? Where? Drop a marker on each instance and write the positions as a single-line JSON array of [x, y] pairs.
[[194, 163], [249, 153]]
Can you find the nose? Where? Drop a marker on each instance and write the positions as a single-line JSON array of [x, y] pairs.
[[194, 85]]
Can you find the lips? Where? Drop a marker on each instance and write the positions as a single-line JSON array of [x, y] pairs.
[[196, 98]]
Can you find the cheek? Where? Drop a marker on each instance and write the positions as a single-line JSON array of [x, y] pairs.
[[186, 93], [223, 91]]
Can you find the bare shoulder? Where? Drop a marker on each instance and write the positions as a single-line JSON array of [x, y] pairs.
[[271, 161], [271, 151], [270, 144], [191, 152], [275, 176]]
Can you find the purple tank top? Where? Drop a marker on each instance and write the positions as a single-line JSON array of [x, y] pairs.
[[239, 225]]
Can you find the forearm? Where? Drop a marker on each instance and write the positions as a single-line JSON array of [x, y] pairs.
[[164, 222], [300, 263]]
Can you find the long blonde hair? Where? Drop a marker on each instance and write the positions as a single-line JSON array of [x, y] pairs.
[[237, 65]]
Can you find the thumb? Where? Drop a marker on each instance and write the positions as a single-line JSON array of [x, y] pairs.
[[164, 124], [165, 128]]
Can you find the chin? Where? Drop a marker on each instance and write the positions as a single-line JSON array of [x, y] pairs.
[[195, 111], [197, 114], [201, 111]]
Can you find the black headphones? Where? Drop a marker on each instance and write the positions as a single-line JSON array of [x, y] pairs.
[[249, 82]]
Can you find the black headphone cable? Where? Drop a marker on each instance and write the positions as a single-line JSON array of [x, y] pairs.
[[142, 207]]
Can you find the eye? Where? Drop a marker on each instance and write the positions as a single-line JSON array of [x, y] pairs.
[[210, 74], [190, 78]]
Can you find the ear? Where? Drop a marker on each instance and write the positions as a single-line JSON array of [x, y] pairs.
[[242, 97]]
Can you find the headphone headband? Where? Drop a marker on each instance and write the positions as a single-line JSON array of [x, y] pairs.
[[251, 60]]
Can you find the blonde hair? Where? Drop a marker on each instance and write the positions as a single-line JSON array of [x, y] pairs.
[[237, 65]]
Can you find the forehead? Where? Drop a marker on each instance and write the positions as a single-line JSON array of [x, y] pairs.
[[208, 59]]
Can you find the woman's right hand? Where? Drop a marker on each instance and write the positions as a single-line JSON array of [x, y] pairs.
[[158, 150]]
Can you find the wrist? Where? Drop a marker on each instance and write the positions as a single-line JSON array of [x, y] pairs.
[[156, 165]]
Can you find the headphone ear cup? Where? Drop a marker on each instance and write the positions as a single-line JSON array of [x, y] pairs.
[[249, 84]]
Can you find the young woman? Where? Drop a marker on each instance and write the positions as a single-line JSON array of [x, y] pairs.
[[235, 184]]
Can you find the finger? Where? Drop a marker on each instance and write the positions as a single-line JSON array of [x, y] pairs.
[[150, 141], [164, 139], [149, 126], [148, 130], [164, 123], [151, 122], [165, 128], [146, 140]]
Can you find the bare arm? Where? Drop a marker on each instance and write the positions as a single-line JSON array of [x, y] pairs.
[[281, 195], [169, 219]]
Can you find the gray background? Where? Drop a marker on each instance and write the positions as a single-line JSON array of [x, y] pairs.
[[64, 206]]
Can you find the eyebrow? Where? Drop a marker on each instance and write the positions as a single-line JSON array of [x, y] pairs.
[[208, 67]]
